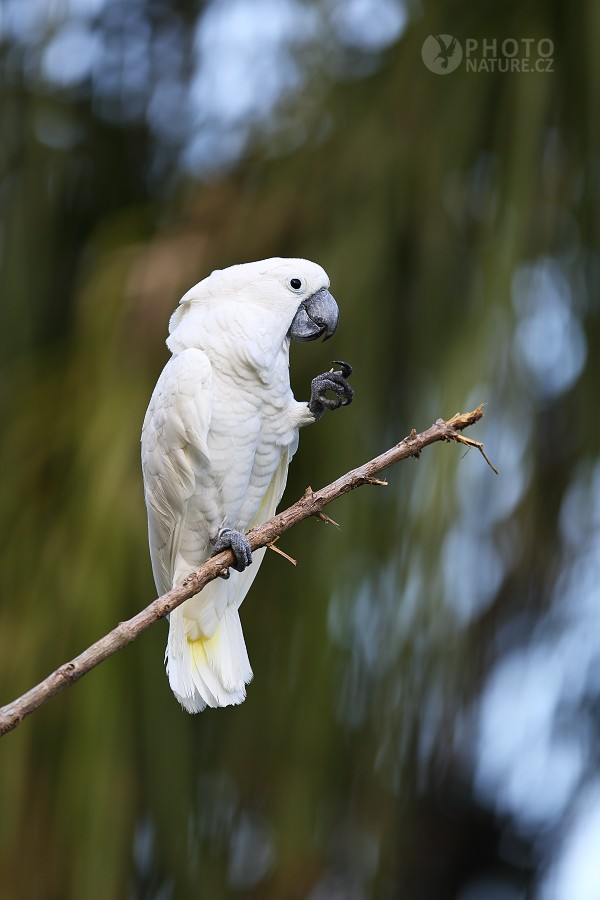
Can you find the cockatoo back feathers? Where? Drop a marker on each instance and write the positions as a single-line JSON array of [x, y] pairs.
[[174, 444]]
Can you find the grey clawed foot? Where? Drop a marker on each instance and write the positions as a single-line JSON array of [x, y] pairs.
[[337, 383], [229, 539]]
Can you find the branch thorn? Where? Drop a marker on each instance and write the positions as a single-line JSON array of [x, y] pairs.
[[327, 519], [278, 550]]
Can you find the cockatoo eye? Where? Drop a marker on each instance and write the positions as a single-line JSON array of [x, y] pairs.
[[296, 284]]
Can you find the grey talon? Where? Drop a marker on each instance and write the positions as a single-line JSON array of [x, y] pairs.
[[229, 539], [333, 381], [346, 367]]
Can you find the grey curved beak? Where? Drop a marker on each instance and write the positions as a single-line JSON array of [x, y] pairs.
[[315, 317]]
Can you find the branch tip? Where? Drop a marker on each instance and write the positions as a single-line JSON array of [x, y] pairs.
[[463, 420]]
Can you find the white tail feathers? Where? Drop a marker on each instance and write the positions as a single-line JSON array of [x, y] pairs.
[[207, 661], [207, 671]]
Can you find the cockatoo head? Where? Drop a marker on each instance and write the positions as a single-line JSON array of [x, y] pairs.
[[291, 295]]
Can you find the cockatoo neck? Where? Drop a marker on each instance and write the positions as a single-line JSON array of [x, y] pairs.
[[235, 337]]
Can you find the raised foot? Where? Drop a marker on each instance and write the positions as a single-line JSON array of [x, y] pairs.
[[229, 539], [337, 383]]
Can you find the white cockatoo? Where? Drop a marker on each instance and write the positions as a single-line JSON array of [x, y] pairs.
[[218, 437]]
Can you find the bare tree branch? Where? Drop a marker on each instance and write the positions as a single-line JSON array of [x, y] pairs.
[[311, 504]]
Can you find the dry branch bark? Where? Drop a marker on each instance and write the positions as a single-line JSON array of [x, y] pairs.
[[311, 504]]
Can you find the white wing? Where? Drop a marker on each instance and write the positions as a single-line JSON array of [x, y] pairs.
[[174, 450]]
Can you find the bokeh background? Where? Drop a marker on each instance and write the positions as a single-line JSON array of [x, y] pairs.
[[424, 719]]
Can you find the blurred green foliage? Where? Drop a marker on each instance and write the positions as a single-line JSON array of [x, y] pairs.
[[348, 771]]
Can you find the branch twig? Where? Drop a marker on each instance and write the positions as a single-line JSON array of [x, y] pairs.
[[310, 504]]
